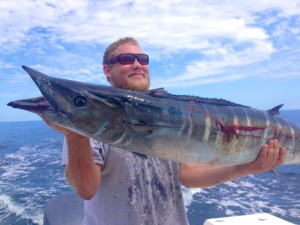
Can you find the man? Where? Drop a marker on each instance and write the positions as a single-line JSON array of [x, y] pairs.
[[122, 188]]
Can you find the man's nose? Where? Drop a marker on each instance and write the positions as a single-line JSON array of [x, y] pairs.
[[136, 64]]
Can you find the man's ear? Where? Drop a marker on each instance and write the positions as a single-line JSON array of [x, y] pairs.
[[106, 70]]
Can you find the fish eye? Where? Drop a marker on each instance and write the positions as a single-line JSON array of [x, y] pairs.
[[80, 101]]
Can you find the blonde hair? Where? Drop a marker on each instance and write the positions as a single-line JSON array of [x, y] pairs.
[[110, 50]]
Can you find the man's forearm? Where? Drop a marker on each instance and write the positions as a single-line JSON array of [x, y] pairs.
[[201, 177], [81, 171]]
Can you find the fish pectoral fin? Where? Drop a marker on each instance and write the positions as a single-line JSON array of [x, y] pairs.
[[275, 172], [140, 155], [149, 127], [145, 129]]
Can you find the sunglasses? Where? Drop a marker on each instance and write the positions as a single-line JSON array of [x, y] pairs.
[[128, 58]]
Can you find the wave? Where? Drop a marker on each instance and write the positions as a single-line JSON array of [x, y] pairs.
[[263, 193], [12, 212]]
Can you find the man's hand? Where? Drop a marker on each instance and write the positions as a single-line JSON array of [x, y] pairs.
[[270, 157]]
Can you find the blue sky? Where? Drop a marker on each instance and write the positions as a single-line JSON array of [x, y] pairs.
[[247, 52]]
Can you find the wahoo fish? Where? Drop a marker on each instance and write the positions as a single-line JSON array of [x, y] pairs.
[[187, 129]]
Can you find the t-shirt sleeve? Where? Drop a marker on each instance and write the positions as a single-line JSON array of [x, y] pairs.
[[99, 151]]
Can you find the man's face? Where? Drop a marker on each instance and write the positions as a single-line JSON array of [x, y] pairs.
[[131, 77]]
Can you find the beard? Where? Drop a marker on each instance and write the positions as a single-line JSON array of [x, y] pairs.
[[142, 85]]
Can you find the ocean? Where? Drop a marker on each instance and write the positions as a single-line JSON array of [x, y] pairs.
[[30, 175]]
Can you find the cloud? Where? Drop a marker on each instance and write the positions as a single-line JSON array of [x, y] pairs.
[[174, 21], [220, 35]]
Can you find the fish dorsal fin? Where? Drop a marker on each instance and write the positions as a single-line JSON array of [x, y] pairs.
[[140, 155], [162, 93], [158, 92], [275, 111]]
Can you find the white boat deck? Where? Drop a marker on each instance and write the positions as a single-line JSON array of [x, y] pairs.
[[253, 219]]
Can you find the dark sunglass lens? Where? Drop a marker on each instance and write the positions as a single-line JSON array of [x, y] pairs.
[[143, 59], [126, 59]]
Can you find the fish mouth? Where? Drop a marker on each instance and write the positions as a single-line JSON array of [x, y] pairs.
[[38, 105]]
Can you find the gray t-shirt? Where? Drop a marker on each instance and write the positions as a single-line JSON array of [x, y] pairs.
[[134, 190]]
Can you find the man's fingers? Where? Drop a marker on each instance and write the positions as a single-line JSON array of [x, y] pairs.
[[275, 154], [270, 151], [275, 151], [264, 152], [282, 156]]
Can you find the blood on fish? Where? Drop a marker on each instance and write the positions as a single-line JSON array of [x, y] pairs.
[[233, 129]]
